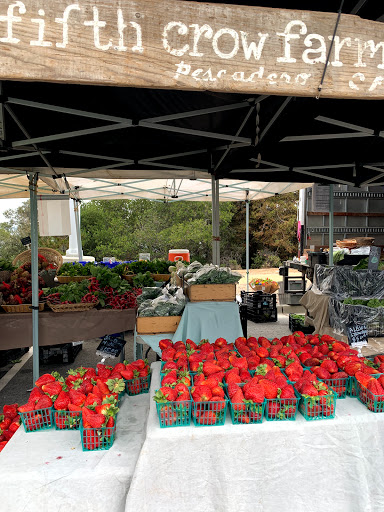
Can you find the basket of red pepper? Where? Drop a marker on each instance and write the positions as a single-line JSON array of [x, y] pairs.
[[17, 294]]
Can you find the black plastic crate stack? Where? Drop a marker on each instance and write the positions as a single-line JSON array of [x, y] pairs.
[[62, 354], [296, 325], [261, 307]]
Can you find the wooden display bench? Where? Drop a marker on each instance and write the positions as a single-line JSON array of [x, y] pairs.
[[211, 292], [157, 324]]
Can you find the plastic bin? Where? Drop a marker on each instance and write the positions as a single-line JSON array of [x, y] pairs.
[[246, 413], [174, 414], [41, 419], [281, 409], [139, 385], [318, 407], [374, 403], [66, 420], [95, 439], [340, 386], [209, 413], [298, 325], [261, 307]]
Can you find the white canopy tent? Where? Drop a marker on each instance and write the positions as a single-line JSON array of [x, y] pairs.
[[182, 186]]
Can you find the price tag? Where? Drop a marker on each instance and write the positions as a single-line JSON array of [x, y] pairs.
[[357, 335], [374, 258], [111, 346]]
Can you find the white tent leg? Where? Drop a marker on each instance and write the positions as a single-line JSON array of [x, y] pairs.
[[34, 275], [76, 208], [213, 182], [217, 209]]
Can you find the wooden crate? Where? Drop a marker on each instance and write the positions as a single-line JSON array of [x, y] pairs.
[[215, 292], [157, 324]]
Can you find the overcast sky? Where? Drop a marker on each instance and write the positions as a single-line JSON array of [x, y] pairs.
[[8, 204]]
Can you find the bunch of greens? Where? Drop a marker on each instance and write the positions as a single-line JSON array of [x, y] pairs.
[[143, 280], [299, 318], [72, 292], [140, 267], [76, 269], [6, 265], [371, 303], [212, 274], [106, 277], [363, 265]]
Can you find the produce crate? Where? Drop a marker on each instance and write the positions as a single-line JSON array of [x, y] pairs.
[[261, 307], [211, 292], [374, 403], [157, 324], [209, 413], [246, 413], [62, 354], [296, 325], [281, 409], [138, 386], [96, 439], [41, 419], [318, 407], [339, 386], [174, 414], [67, 420]]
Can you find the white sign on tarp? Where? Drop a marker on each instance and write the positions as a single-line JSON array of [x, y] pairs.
[[53, 216]]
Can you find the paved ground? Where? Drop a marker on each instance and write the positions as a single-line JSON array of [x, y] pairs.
[[16, 390]]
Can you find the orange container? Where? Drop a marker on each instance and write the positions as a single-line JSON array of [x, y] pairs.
[[178, 254]]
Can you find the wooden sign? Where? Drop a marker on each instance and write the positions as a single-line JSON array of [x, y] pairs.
[[374, 257], [189, 45], [357, 335]]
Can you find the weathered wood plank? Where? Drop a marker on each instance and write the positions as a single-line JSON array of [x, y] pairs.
[[189, 45]]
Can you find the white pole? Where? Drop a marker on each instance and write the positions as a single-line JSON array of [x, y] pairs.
[[34, 275], [76, 208], [213, 220], [217, 206]]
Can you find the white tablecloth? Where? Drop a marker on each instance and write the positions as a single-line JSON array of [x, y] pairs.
[[48, 471], [310, 466]]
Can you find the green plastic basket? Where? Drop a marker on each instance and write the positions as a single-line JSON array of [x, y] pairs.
[[374, 403], [318, 407], [138, 386], [209, 413], [339, 386], [242, 414], [66, 420], [96, 439], [281, 409], [352, 385], [41, 419], [174, 414]]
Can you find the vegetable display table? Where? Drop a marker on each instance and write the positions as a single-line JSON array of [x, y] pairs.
[[47, 470], [295, 466], [200, 320], [57, 328]]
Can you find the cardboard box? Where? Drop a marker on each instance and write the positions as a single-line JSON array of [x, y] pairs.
[[157, 324], [212, 292]]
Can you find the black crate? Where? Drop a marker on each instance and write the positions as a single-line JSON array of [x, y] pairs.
[[243, 319], [61, 354], [296, 325], [261, 307]]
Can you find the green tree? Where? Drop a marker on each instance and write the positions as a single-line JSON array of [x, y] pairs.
[[124, 228], [17, 226], [272, 225]]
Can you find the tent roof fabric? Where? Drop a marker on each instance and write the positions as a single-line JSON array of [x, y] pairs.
[[99, 133]]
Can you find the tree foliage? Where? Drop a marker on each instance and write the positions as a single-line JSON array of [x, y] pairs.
[[17, 226], [125, 228]]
